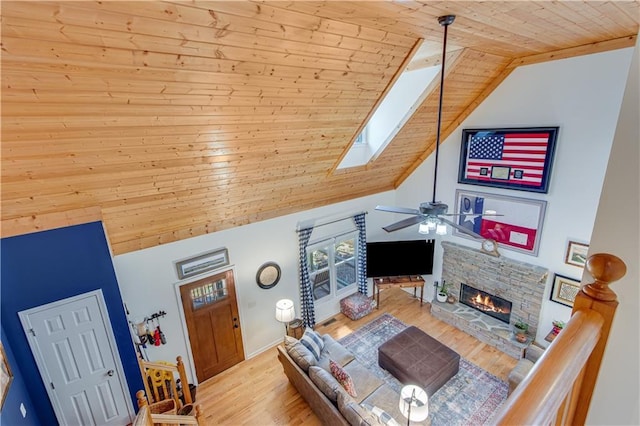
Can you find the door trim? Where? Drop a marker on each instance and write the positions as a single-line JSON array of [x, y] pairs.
[[183, 319], [35, 349]]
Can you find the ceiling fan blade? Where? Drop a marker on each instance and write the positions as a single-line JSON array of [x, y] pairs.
[[471, 214], [392, 209], [462, 229], [403, 223]]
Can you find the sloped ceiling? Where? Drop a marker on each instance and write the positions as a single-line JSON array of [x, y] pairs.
[[176, 119]]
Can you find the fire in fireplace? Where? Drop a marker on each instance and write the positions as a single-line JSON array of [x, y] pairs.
[[484, 302]]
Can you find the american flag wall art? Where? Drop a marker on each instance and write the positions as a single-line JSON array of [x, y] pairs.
[[508, 158]]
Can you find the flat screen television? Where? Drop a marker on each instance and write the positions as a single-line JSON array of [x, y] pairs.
[[394, 258]]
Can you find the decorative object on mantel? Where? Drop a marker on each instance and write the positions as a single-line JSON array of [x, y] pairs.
[[285, 313], [268, 275], [520, 329], [516, 158], [202, 263], [490, 247], [518, 228], [576, 254], [557, 327], [564, 290]]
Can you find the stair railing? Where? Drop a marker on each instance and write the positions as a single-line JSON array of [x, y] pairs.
[[559, 387]]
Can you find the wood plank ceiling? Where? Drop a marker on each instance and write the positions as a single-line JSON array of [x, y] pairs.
[[182, 118]]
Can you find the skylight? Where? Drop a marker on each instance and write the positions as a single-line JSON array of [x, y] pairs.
[[394, 111]]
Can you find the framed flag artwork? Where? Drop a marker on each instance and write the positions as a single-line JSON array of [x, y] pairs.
[[517, 223], [516, 158]]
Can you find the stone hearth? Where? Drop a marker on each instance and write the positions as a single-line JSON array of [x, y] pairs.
[[518, 282]]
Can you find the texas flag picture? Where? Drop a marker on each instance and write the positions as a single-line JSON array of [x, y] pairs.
[[517, 222]]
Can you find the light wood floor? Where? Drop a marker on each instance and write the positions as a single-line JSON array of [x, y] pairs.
[[256, 391]]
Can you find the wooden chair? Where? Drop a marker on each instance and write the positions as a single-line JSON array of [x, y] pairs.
[[160, 381], [146, 417]]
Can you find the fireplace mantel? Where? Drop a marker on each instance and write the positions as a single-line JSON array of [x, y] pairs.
[[519, 282]]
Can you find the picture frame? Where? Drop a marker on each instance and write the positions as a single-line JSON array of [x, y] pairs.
[[202, 263], [6, 376], [511, 158], [517, 225], [564, 290], [576, 254]]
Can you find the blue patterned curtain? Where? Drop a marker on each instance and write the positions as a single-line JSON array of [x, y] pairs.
[[362, 253], [306, 293]]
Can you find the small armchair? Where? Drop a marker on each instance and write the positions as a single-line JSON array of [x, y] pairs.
[[531, 355]]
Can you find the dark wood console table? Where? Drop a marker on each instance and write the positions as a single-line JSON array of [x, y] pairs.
[[403, 281]]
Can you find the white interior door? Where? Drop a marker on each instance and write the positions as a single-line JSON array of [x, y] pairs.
[[74, 347]]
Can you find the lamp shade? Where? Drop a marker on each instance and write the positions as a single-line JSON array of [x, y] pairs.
[[285, 312], [414, 403]]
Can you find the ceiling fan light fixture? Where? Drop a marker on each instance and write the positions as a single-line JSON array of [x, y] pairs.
[[424, 228], [441, 229]]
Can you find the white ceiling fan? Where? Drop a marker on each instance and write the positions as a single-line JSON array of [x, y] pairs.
[[430, 214]]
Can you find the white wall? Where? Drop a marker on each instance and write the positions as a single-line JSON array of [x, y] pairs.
[[148, 278], [616, 230], [582, 96]]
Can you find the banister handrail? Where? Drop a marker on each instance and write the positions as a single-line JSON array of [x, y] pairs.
[[559, 387], [553, 375]]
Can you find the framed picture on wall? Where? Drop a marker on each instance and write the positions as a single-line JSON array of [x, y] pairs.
[[6, 377], [202, 263], [512, 158], [564, 290], [576, 254], [518, 226]]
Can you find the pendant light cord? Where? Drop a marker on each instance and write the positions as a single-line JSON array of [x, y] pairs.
[[445, 21]]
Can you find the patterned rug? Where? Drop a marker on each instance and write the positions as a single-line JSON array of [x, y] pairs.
[[469, 398]]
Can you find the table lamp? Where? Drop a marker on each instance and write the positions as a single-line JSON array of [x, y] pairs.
[[285, 312], [414, 403]]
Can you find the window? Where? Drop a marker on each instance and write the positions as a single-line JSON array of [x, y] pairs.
[[332, 266]]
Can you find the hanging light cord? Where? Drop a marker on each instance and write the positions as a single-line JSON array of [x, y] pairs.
[[445, 21]]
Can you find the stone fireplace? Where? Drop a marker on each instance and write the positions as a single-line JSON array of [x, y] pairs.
[[517, 287]]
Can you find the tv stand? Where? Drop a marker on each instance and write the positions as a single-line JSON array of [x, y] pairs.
[[402, 281]]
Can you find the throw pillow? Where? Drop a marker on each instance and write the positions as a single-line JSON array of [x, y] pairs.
[[343, 378], [312, 341], [384, 417], [299, 353], [354, 413], [325, 382]]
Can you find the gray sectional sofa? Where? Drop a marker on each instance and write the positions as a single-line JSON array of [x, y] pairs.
[[327, 397]]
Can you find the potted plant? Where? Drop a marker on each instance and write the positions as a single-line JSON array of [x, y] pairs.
[[443, 292], [520, 329]]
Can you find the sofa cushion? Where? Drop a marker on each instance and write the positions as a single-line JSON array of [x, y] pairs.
[[325, 382], [365, 381], [312, 341], [353, 412], [299, 353], [335, 351], [383, 417], [343, 378], [387, 399]]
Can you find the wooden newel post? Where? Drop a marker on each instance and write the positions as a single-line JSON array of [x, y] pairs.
[[597, 296], [183, 378], [142, 398]]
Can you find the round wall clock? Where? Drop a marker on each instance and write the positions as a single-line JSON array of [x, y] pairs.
[[490, 246], [268, 275]]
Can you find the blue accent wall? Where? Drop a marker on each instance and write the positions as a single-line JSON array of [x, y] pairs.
[[47, 266]]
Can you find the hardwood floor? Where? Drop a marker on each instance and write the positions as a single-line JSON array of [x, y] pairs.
[[256, 391]]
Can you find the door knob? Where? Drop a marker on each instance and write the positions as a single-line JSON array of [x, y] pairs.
[[110, 373]]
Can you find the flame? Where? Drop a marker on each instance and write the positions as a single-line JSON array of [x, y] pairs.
[[486, 304]]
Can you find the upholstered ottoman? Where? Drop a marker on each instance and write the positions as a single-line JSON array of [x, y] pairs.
[[414, 357], [356, 305]]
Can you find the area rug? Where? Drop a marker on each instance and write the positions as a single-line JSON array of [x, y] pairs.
[[470, 398]]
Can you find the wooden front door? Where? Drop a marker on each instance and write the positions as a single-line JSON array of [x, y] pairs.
[[211, 313]]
